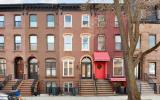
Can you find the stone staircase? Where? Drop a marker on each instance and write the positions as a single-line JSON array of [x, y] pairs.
[[87, 87], [8, 86], [25, 87], [145, 88], [104, 88]]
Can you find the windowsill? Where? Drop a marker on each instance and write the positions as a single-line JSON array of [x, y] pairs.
[[17, 51], [118, 76], [33, 27], [33, 50], [67, 27], [87, 27], [152, 76], [50, 27], [85, 50], [50, 51], [51, 76], [67, 51], [116, 26], [17, 27], [67, 76]]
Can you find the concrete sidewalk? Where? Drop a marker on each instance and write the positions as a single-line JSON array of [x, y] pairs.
[[144, 97]]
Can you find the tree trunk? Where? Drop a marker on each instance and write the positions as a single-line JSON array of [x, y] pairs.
[[133, 93]]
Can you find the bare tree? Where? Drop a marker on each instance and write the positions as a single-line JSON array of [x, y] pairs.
[[129, 31]]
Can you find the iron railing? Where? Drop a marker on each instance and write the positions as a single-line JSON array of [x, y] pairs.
[[7, 78], [14, 87]]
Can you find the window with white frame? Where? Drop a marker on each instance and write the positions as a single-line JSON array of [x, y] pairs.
[[67, 86], [1, 21], [17, 42], [116, 24], [2, 67], [138, 46], [68, 67], [152, 40], [17, 21], [121, 1], [85, 20], [1, 42], [101, 42], [50, 43], [118, 67], [50, 67], [118, 44], [67, 20], [68, 42], [85, 42], [152, 68], [33, 21], [50, 20], [101, 20], [33, 42]]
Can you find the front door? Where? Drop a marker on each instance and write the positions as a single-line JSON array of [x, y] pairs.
[[100, 70], [86, 71], [33, 71], [19, 68], [137, 72]]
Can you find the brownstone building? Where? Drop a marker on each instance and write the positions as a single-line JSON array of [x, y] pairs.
[[60, 45]]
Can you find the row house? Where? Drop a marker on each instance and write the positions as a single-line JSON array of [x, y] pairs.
[[60, 45]]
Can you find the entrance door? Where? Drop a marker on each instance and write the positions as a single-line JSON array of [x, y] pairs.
[[100, 70], [86, 68], [33, 69], [19, 68]]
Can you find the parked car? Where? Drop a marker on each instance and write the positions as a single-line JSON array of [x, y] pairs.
[[4, 96]]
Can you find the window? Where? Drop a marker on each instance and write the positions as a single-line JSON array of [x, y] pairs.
[[17, 42], [118, 69], [121, 1], [33, 21], [1, 21], [101, 21], [85, 42], [50, 43], [68, 67], [2, 67], [138, 46], [152, 40], [101, 42], [68, 42], [33, 43], [50, 84], [67, 20], [118, 42], [1, 43], [68, 86], [17, 21], [50, 67], [50, 21], [116, 24], [85, 20], [152, 68]]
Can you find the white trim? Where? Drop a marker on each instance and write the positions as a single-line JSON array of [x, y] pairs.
[[122, 66], [71, 42], [67, 84], [82, 47], [88, 20], [65, 24], [68, 60]]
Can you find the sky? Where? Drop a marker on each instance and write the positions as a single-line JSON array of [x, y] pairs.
[[52, 1]]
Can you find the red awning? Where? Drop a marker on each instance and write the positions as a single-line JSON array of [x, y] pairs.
[[101, 56], [117, 79]]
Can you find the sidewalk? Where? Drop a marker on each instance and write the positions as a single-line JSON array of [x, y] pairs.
[[144, 97]]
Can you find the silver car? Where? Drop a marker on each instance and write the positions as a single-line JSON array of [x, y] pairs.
[[4, 96]]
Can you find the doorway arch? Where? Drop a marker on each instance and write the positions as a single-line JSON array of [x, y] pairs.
[[33, 68], [86, 68]]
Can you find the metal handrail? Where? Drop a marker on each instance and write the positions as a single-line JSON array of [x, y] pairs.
[[14, 87], [33, 87], [95, 84], [7, 78]]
